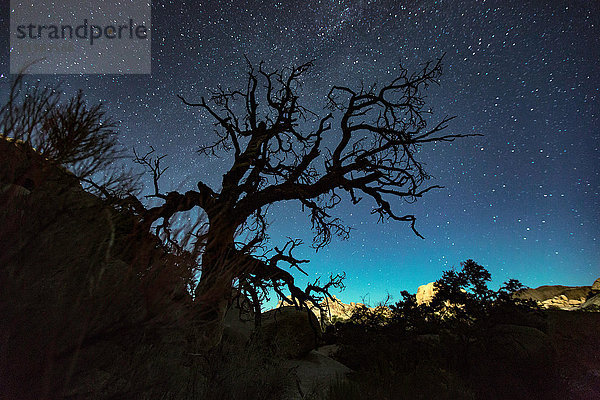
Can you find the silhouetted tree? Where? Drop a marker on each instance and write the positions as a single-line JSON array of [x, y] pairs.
[[282, 151], [463, 303]]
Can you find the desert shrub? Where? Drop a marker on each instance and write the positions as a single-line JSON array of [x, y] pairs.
[[71, 134], [237, 370], [387, 381], [369, 318], [409, 317]]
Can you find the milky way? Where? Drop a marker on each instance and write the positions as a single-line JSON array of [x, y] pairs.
[[523, 200]]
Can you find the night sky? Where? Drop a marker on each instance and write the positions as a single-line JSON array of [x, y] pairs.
[[523, 200]]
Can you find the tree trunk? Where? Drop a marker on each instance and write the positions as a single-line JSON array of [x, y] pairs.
[[214, 289]]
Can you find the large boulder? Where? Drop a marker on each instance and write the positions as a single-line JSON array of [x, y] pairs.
[[291, 332], [593, 301], [314, 373], [517, 344], [425, 293], [512, 348], [514, 362]]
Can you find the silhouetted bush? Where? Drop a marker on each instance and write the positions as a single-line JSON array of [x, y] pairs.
[[463, 302], [468, 342], [235, 370]]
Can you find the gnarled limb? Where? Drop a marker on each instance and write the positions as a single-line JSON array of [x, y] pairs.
[[279, 151]]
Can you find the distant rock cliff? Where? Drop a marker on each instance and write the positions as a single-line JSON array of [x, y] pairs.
[[334, 309], [559, 297], [562, 297]]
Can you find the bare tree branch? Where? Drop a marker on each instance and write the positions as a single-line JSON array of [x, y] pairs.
[[365, 148]]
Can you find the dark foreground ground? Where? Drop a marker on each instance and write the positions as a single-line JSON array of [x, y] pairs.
[[560, 360], [575, 336]]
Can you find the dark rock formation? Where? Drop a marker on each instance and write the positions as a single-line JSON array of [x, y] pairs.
[[291, 332], [87, 295]]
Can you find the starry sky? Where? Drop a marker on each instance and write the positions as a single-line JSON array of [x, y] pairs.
[[522, 200]]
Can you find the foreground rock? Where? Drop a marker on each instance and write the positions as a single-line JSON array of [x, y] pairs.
[[87, 295], [291, 332], [520, 345], [292, 335], [314, 373], [575, 337], [288, 331]]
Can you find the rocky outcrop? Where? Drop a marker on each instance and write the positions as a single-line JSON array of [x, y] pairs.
[[557, 296], [86, 295], [333, 309], [593, 301], [314, 373], [426, 293]]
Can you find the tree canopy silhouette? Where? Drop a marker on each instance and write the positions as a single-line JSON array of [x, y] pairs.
[[464, 304], [365, 147]]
